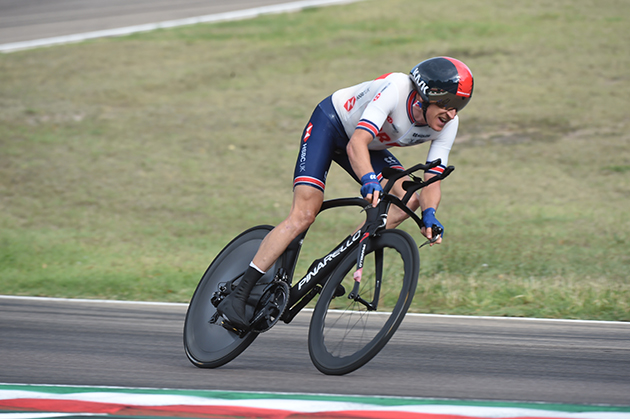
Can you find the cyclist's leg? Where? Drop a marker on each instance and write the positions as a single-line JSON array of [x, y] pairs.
[[306, 204], [315, 155], [321, 137]]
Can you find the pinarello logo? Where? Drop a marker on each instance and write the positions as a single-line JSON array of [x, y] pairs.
[[350, 103], [307, 134]]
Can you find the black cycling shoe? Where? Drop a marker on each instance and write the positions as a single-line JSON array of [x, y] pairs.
[[233, 306], [233, 309]]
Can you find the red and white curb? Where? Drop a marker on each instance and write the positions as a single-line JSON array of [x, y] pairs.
[[39, 402]]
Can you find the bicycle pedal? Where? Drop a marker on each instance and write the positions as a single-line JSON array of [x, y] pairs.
[[229, 326], [215, 318]]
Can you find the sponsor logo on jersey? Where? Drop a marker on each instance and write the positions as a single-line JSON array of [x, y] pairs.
[[350, 103], [383, 137], [307, 132], [303, 157], [392, 162], [390, 120], [303, 149]]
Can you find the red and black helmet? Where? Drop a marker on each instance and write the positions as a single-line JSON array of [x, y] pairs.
[[444, 81]]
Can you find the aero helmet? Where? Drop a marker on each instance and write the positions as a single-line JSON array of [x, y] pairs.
[[444, 81]]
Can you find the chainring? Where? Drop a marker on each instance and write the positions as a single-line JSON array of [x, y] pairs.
[[271, 306]]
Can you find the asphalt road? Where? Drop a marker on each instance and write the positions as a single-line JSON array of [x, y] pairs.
[[138, 345], [25, 20]]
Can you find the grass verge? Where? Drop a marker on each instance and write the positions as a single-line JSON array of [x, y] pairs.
[[128, 163]]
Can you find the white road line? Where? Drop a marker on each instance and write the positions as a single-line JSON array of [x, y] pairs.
[[87, 300], [218, 17], [452, 316]]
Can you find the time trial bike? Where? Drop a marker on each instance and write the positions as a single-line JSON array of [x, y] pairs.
[[365, 285]]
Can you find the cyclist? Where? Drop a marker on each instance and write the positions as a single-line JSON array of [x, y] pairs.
[[354, 127]]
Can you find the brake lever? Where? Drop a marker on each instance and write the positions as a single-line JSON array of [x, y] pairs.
[[437, 232], [433, 240]]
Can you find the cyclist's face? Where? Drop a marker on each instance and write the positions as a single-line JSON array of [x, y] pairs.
[[438, 117]]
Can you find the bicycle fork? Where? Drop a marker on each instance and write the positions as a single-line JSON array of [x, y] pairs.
[[378, 255]]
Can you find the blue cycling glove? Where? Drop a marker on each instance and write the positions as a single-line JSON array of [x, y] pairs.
[[370, 184], [429, 220]]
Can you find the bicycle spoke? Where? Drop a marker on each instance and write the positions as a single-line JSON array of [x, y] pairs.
[[346, 333]]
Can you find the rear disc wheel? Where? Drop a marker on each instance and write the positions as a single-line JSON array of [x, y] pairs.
[[206, 342]]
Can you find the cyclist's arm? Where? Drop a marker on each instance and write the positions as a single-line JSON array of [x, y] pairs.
[[368, 127], [430, 197], [359, 157]]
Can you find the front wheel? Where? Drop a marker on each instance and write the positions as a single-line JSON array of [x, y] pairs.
[[207, 343], [345, 333]]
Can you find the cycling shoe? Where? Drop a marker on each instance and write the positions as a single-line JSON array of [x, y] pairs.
[[233, 309]]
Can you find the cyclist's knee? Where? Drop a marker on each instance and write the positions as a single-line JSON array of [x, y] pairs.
[[302, 218], [306, 204]]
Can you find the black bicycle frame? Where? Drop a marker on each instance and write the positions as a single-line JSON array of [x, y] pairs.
[[304, 290]]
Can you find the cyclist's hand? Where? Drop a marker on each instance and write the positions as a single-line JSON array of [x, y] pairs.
[[430, 222], [371, 189]]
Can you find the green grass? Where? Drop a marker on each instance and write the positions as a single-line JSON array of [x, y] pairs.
[[127, 163]]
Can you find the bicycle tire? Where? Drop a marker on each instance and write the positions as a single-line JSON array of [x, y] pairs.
[[211, 345], [343, 334]]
